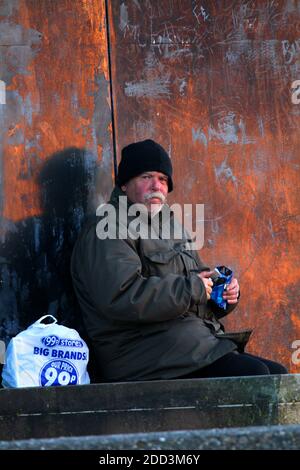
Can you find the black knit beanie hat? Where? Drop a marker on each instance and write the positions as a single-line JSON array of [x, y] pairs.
[[142, 156]]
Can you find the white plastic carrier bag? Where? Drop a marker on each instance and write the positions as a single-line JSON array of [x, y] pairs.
[[46, 355]]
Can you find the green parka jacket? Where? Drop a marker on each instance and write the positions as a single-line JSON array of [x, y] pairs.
[[143, 306]]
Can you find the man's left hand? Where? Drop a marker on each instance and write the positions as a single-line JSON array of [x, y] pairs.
[[231, 293]]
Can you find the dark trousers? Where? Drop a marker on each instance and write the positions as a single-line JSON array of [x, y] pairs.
[[238, 364]]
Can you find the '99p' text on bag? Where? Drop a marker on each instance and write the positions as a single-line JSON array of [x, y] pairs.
[[46, 355]]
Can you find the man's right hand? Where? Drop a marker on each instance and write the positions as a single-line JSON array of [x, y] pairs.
[[206, 279]]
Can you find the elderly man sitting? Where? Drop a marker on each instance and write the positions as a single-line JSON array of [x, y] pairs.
[[145, 300]]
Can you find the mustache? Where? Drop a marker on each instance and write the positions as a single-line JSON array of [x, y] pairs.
[[157, 194]]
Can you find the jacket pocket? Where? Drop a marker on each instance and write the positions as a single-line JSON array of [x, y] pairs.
[[160, 258]]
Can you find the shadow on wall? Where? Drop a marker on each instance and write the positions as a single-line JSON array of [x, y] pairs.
[[35, 253]]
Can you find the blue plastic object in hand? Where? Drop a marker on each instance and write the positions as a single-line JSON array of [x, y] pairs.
[[221, 277]]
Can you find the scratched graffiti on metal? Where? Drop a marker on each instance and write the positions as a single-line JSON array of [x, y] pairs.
[[224, 100], [55, 150]]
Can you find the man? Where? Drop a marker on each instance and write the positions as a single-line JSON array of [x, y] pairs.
[[145, 300]]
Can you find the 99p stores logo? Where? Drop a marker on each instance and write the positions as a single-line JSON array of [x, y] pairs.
[[53, 340]]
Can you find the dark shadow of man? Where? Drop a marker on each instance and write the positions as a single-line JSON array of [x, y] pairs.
[[35, 253]]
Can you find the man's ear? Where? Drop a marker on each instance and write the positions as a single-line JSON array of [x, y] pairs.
[[124, 188]]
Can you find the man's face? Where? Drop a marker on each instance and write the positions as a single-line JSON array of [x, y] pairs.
[[149, 188]]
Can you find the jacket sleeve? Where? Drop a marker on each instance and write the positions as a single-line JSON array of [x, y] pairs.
[[108, 274]]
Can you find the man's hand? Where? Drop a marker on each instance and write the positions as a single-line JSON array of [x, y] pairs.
[[206, 279], [232, 292]]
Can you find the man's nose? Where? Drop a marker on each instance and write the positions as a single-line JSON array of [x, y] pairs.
[[156, 184]]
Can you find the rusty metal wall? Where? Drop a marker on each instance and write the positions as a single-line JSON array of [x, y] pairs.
[[55, 149], [212, 82]]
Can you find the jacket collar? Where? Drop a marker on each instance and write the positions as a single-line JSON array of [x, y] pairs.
[[156, 220], [116, 193]]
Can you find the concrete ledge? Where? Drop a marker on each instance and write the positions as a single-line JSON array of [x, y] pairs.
[[156, 406], [251, 438]]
